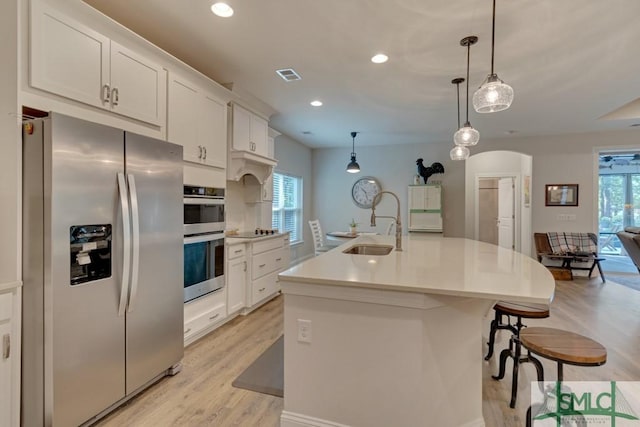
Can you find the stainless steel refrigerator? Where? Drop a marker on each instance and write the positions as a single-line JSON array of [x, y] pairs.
[[102, 267]]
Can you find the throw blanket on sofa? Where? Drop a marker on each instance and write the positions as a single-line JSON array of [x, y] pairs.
[[561, 243]]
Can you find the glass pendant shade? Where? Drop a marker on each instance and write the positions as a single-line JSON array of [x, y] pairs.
[[353, 166], [494, 95], [459, 153], [466, 136]]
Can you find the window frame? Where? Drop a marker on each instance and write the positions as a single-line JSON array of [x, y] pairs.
[[298, 209]]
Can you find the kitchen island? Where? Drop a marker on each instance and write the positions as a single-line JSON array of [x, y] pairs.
[[396, 339]]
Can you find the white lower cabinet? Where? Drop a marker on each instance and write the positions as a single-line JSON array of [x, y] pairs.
[[204, 314], [9, 359], [267, 258], [236, 275]]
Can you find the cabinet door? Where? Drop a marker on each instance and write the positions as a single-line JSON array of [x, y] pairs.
[[259, 135], [417, 197], [433, 198], [181, 126], [67, 58], [138, 86], [5, 373], [212, 128], [241, 129], [236, 284]]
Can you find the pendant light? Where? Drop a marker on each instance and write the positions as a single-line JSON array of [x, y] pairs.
[[467, 135], [494, 94], [459, 152], [353, 166]]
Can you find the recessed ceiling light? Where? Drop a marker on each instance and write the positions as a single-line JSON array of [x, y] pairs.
[[222, 9], [316, 103], [379, 58]]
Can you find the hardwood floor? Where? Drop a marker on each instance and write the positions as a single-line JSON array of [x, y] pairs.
[[202, 395]]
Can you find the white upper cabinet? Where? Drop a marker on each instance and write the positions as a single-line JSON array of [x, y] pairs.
[[71, 60], [197, 120], [250, 132], [425, 208]]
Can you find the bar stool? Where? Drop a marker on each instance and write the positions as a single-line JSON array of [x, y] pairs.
[[519, 311], [563, 347]]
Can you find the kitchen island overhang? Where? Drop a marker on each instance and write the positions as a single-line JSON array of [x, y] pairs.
[[397, 339]]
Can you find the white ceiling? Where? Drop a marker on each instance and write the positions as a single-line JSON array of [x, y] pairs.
[[569, 62]]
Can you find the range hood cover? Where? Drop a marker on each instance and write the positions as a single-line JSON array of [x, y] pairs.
[[245, 163]]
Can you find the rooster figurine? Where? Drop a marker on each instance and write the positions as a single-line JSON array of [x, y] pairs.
[[426, 172]]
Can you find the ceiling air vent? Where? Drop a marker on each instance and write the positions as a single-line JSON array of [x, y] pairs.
[[288, 74]]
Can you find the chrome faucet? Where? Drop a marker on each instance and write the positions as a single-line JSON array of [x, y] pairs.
[[397, 218]]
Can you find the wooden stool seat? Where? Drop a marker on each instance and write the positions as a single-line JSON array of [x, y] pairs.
[[523, 309], [563, 346]]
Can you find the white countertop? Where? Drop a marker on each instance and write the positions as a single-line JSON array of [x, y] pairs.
[[432, 264]]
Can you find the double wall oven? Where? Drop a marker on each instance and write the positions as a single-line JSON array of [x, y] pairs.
[[203, 240]]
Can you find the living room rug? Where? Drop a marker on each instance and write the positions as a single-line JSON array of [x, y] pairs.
[[629, 280], [266, 373]]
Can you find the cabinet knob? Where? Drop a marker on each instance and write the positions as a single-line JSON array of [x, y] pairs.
[[200, 148], [205, 153]]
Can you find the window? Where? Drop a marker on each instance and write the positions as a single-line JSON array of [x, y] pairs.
[[287, 205]]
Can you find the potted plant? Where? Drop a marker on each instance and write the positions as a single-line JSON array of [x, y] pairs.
[[352, 226]]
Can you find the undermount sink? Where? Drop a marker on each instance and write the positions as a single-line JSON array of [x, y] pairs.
[[369, 250]]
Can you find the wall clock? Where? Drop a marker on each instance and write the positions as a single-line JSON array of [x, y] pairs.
[[364, 190]]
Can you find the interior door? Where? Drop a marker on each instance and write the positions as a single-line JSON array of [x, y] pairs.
[[505, 213], [155, 318]]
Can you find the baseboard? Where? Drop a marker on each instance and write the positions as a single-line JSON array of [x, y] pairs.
[[291, 419]]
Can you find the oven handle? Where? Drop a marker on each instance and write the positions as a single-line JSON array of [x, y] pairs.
[[204, 238], [203, 201]]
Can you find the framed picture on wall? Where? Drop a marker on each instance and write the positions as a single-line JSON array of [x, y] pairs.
[[561, 195]]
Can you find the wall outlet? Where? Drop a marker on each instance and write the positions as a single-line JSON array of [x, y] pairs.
[[304, 330]]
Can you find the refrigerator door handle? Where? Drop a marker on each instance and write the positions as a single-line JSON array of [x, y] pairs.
[[126, 231], [135, 225]]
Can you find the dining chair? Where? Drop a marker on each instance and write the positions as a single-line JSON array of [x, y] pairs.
[[318, 238]]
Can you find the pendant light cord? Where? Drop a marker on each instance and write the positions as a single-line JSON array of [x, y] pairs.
[[493, 33], [468, 55], [458, 91]]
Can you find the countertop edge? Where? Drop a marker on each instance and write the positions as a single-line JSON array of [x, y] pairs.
[[238, 240], [417, 290]]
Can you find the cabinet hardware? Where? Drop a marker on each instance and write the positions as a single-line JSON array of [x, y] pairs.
[[261, 265], [238, 251], [214, 316], [245, 266], [205, 153], [115, 97], [261, 289], [106, 93], [278, 259], [187, 331], [200, 148], [6, 346]]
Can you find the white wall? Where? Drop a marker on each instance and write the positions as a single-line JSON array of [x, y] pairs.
[[394, 166], [10, 147], [295, 159], [559, 159]]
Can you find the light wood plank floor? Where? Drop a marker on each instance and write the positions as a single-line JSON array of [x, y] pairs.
[[202, 395]]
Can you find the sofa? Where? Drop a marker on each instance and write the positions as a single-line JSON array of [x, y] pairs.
[[630, 239]]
